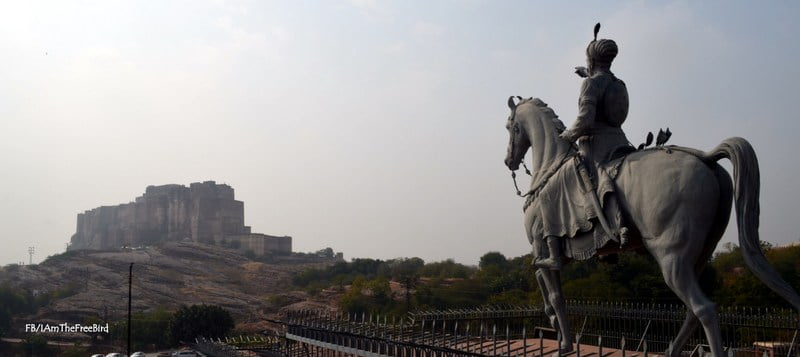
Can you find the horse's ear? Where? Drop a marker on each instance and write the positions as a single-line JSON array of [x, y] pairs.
[[511, 104]]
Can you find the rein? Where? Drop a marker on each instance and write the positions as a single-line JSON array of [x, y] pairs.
[[514, 178], [513, 144]]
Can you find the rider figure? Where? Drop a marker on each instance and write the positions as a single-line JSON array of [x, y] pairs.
[[603, 107]]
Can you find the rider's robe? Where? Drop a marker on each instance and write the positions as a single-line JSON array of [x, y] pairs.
[[562, 208]]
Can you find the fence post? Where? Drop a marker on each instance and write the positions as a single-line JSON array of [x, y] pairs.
[[468, 339], [508, 341], [402, 327], [559, 338], [541, 344], [645, 348], [455, 336], [480, 346], [444, 333], [578, 345], [525, 341], [494, 340], [622, 344], [600, 346], [433, 333], [422, 332]]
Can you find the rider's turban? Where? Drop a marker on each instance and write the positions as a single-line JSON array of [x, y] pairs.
[[603, 50]]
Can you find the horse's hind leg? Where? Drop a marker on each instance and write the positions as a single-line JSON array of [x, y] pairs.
[[717, 230], [691, 322], [688, 327], [681, 278]]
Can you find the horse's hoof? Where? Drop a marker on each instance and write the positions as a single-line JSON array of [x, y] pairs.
[[563, 352]]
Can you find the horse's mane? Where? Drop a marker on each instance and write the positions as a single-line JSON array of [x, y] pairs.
[[542, 106]]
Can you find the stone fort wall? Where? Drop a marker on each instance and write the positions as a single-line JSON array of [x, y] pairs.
[[204, 212]]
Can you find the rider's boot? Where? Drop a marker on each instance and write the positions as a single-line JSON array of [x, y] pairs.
[[553, 262]]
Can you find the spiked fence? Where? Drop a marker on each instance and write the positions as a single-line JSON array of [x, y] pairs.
[[655, 324], [598, 328], [523, 330]]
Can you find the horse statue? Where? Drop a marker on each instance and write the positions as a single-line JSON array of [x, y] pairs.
[[677, 199]]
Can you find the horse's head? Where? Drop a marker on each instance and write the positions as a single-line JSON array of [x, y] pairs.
[[518, 141]]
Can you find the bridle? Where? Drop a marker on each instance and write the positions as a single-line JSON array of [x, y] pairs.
[[548, 174], [513, 145]]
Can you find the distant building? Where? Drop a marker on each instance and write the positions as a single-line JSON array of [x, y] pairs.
[[204, 212], [790, 244], [260, 244]]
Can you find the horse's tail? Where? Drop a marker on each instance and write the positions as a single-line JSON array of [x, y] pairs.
[[746, 191]]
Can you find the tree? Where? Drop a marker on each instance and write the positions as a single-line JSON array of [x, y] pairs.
[[75, 351], [404, 268], [5, 321], [446, 269], [326, 253], [199, 320], [149, 328], [493, 259]]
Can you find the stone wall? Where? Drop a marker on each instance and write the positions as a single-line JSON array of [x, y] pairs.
[[260, 244], [204, 212]]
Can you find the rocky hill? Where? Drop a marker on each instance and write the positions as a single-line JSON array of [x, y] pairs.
[[95, 283]]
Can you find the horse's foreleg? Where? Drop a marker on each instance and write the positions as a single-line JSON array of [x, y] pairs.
[[548, 308], [536, 253], [556, 299]]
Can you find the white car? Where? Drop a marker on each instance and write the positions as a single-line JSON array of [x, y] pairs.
[[98, 355], [138, 354], [187, 353], [114, 354]]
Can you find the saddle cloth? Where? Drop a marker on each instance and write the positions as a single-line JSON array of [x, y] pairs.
[[563, 209]]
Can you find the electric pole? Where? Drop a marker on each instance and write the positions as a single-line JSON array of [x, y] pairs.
[[30, 255], [130, 283]]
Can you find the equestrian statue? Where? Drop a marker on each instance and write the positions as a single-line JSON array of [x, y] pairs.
[[594, 194]]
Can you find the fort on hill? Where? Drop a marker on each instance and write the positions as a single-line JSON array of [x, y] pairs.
[[204, 212]]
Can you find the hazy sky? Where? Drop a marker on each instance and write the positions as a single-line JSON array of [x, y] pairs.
[[372, 127]]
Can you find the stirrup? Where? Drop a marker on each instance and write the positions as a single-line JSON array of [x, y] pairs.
[[549, 263], [624, 236]]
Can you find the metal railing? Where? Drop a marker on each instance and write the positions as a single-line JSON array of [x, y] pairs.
[[600, 328]]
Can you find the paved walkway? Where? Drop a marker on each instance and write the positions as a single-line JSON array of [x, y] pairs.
[[548, 348]]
